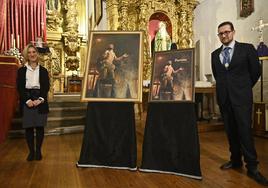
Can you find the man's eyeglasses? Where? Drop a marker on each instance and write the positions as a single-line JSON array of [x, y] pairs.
[[224, 33]]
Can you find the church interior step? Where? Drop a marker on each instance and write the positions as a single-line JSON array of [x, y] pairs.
[[64, 117]]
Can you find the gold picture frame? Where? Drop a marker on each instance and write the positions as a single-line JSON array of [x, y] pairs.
[[114, 67], [98, 11], [173, 76]]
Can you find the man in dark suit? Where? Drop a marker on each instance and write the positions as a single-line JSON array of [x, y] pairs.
[[236, 69]]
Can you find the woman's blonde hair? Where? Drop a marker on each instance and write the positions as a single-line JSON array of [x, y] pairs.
[[26, 50]]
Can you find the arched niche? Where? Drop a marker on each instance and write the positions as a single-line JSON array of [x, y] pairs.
[[154, 22]]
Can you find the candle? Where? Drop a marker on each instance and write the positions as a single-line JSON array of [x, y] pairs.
[[14, 43], [12, 38], [18, 41], [42, 26], [42, 29]]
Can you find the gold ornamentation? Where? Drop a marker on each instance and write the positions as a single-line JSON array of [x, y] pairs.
[[45, 60], [55, 60], [135, 15], [72, 63], [72, 41], [183, 32], [112, 14], [56, 66], [128, 15], [54, 17], [54, 20]]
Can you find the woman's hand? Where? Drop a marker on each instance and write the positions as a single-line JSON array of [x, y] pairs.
[[30, 103], [37, 102]]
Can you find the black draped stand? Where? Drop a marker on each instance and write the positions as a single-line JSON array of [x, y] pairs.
[[171, 143], [109, 136]]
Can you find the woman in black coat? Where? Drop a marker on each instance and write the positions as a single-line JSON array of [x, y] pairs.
[[33, 86]]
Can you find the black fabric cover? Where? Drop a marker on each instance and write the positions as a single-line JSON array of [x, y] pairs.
[[171, 143], [109, 136]]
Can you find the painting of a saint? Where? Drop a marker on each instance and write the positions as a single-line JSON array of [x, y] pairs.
[[173, 76], [113, 70]]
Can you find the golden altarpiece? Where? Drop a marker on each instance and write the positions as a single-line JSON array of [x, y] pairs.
[[67, 43]]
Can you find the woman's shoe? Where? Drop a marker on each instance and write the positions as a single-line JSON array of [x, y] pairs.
[[38, 156], [30, 157]]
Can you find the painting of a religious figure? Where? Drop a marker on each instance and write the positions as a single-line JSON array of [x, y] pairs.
[[114, 67], [246, 7], [173, 76]]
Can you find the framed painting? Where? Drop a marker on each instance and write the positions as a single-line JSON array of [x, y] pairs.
[[113, 69], [173, 76], [98, 11], [246, 7]]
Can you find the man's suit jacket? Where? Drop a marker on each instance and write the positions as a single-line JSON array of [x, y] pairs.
[[44, 88], [237, 81]]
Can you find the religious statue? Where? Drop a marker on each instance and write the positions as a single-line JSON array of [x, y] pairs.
[[162, 38]]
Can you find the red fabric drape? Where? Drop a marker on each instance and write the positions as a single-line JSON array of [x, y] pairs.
[[3, 12], [22, 19]]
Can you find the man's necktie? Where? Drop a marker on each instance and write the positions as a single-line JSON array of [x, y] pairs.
[[226, 57]]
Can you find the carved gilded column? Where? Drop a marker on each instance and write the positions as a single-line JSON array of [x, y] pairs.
[[112, 14], [72, 41], [54, 22], [143, 25], [46, 62], [183, 34], [142, 17], [190, 18], [123, 15]]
